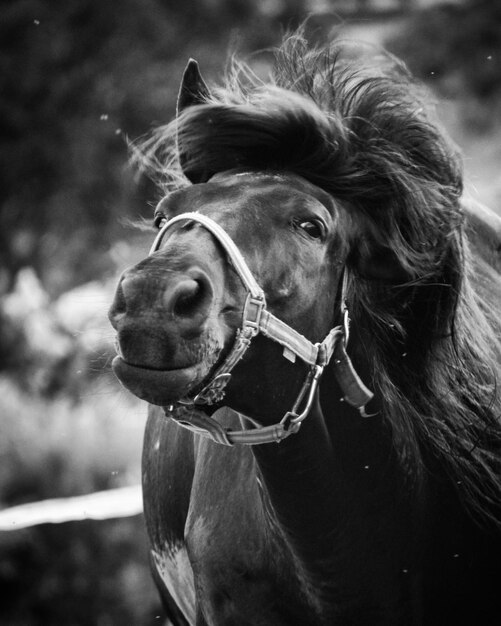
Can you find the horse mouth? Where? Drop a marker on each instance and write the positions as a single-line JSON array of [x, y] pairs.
[[160, 386]]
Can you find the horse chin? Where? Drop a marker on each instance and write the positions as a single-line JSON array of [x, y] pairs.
[[160, 387]]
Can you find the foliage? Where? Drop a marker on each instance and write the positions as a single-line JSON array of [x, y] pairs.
[[78, 574], [83, 572], [64, 434], [50, 347], [62, 106], [455, 47], [78, 77], [58, 447]]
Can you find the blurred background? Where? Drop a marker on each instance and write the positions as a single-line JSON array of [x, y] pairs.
[[79, 78]]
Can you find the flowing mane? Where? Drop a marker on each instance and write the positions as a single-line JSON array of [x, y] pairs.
[[362, 131]]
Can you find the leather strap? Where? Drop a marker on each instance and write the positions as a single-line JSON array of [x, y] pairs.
[[224, 239]]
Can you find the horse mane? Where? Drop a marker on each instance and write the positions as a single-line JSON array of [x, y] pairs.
[[363, 131]]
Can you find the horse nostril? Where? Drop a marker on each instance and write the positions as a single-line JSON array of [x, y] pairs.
[[189, 295], [189, 301], [117, 310]]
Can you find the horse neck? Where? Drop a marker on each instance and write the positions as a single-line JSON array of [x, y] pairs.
[[337, 477], [297, 477]]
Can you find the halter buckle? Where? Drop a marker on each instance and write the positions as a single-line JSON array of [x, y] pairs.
[[253, 310], [212, 393], [292, 419]]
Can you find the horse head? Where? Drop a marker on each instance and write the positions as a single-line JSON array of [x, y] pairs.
[[178, 313]]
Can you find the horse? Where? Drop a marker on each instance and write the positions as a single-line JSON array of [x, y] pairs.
[[316, 331]]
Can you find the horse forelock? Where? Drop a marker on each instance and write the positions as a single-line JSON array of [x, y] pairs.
[[360, 132], [365, 135]]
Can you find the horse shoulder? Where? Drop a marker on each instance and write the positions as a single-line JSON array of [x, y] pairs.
[[212, 545], [168, 468]]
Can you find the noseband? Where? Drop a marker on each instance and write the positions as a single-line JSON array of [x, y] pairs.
[[257, 319]]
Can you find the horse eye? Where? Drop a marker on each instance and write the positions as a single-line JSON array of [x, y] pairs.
[[159, 221], [312, 228]]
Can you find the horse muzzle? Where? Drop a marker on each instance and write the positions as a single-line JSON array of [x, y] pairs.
[[156, 386], [169, 333]]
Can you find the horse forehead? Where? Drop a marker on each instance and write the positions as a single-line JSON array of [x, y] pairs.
[[267, 193]]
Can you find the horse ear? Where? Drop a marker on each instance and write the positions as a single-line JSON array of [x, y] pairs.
[[193, 89]]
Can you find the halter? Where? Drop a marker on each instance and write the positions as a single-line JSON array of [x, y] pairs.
[[257, 319]]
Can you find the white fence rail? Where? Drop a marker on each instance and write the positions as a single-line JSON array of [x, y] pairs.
[[113, 503]]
